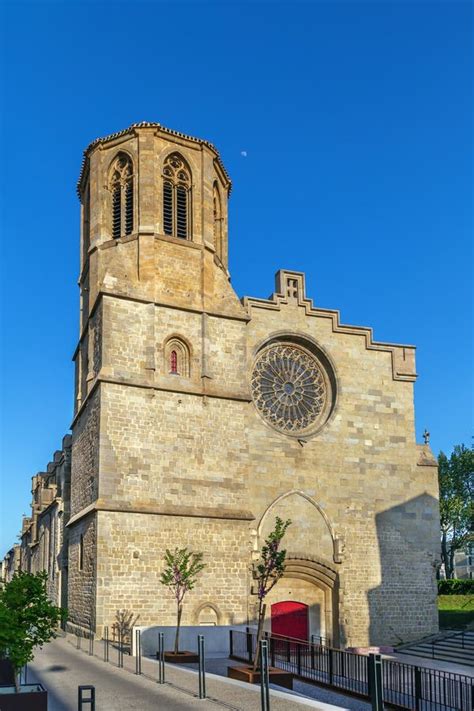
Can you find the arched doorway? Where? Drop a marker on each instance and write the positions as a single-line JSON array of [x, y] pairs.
[[290, 619], [310, 583]]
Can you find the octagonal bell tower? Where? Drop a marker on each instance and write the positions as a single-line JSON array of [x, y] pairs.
[[154, 287]]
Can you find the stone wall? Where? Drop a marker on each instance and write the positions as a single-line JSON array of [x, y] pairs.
[[85, 455], [82, 582], [164, 460], [130, 552]]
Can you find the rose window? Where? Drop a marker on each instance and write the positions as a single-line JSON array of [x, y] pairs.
[[289, 388]]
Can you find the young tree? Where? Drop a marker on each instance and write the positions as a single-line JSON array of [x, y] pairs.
[[269, 570], [28, 619], [456, 503], [181, 570]]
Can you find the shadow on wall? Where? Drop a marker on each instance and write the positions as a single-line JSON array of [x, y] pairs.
[[404, 606]]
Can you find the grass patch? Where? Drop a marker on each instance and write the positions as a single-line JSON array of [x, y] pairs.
[[455, 611]]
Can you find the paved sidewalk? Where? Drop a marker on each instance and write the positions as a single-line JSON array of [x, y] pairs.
[[61, 668]]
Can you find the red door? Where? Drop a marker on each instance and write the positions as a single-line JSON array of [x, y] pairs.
[[290, 619]]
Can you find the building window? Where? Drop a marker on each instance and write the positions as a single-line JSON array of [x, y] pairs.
[[81, 552], [174, 362], [176, 197], [177, 358], [121, 188]]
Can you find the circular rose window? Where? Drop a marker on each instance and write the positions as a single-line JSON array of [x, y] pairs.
[[290, 388]]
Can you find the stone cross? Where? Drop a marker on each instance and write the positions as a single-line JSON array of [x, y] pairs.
[[426, 436]]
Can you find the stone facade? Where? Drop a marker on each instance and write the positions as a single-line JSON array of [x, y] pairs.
[[44, 535], [178, 441]]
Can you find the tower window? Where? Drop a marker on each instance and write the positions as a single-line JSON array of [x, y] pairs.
[[174, 362], [121, 187], [176, 197], [168, 208], [177, 359]]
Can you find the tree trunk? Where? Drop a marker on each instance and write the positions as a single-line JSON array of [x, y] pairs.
[[261, 618], [17, 681], [444, 553], [176, 639], [451, 562]]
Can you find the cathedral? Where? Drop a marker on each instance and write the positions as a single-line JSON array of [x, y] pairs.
[[200, 417]]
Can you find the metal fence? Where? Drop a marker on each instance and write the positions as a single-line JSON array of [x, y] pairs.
[[404, 686]]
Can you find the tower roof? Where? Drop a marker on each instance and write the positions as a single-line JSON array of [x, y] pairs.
[[147, 124]]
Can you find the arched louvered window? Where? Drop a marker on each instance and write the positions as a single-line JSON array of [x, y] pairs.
[[176, 197], [121, 187]]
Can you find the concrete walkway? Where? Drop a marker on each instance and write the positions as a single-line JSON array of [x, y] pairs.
[[60, 667]]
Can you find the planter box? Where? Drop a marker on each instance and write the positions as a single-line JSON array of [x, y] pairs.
[[277, 676], [32, 697], [181, 657]]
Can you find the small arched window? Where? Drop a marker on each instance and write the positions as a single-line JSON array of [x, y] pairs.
[[174, 362], [216, 199], [176, 197], [177, 359], [121, 187]]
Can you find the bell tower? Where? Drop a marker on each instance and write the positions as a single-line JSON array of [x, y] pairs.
[[155, 291], [154, 227]]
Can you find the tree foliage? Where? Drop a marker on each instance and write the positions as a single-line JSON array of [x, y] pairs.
[[268, 572], [28, 619], [182, 568], [456, 494], [272, 560]]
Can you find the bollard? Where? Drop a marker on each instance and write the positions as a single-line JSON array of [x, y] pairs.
[[202, 670], [161, 658], [374, 670], [119, 656], [264, 677], [138, 652], [106, 644], [81, 700]]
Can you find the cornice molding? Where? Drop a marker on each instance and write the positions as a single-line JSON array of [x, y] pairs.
[[163, 510], [161, 387], [101, 141], [163, 304]]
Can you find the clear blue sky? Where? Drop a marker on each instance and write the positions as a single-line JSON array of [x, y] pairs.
[[357, 123]]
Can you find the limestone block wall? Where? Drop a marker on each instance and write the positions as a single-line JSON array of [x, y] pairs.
[[360, 469], [85, 455], [130, 550], [172, 449], [82, 581]]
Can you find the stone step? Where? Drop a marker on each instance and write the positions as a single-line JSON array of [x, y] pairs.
[[447, 656]]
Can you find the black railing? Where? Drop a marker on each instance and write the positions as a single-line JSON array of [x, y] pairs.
[[404, 686]]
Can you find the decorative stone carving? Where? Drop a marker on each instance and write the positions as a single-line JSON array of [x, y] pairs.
[[289, 387]]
